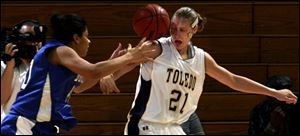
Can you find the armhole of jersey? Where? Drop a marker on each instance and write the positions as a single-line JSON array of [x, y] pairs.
[[202, 55], [146, 68], [47, 50], [162, 49]]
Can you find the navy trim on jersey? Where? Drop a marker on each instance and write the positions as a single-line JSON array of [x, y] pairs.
[[140, 106]]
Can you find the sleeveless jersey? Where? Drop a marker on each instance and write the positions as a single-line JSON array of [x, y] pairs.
[[44, 93], [168, 89], [19, 76]]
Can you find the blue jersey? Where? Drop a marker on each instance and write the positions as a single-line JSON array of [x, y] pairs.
[[45, 92]]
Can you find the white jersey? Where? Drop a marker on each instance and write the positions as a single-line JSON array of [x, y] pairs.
[[18, 78], [168, 89]]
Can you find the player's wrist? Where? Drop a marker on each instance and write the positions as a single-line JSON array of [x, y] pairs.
[[10, 64], [273, 92], [127, 58]]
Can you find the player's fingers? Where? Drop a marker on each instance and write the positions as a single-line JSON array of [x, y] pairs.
[[149, 52], [111, 85], [142, 41], [115, 88], [122, 52], [116, 53], [119, 47], [291, 101], [109, 89], [293, 96], [103, 88], [9, 47], [129, 46], [147, 46], [149, 59], [14, 52]]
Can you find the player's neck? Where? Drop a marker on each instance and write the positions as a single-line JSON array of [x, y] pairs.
[[184, 53]]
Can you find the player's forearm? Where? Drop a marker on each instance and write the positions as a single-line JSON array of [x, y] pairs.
[[87, 84], [6, 82], [247, 85], [123, 71], [107, 67]]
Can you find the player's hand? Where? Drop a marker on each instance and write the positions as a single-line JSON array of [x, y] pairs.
[[287, 96], [10, 50], [142, 52], [118, 52], [107, 85]]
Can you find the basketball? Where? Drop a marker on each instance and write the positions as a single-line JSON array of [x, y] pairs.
[[151, 21]]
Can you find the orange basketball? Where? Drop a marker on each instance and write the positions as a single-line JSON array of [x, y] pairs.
[[151, 21]]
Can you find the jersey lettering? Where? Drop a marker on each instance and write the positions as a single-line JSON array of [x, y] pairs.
[[183, 79], [175, 101]]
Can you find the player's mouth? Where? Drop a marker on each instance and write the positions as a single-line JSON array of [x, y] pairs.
[[177, 42]]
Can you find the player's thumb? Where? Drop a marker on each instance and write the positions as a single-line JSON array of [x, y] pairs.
[[129, 46], [119, 46]]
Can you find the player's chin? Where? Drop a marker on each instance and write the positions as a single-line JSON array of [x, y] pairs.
[[179, 46]]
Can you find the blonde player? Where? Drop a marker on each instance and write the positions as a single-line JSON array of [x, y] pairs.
[[168, 89]]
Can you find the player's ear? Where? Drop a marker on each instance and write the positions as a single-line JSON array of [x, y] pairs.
[[76, 38], [190, 34], [195, 29]]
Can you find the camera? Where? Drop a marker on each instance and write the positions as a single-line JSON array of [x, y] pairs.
[[22, 40]]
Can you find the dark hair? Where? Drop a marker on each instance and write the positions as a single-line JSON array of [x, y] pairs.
[[65, 26], [279, 82]]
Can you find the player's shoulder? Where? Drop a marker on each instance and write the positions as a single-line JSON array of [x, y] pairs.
[[163, 40]]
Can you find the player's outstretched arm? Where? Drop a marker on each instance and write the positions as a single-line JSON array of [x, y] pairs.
[[244, 84], [67, 57]]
